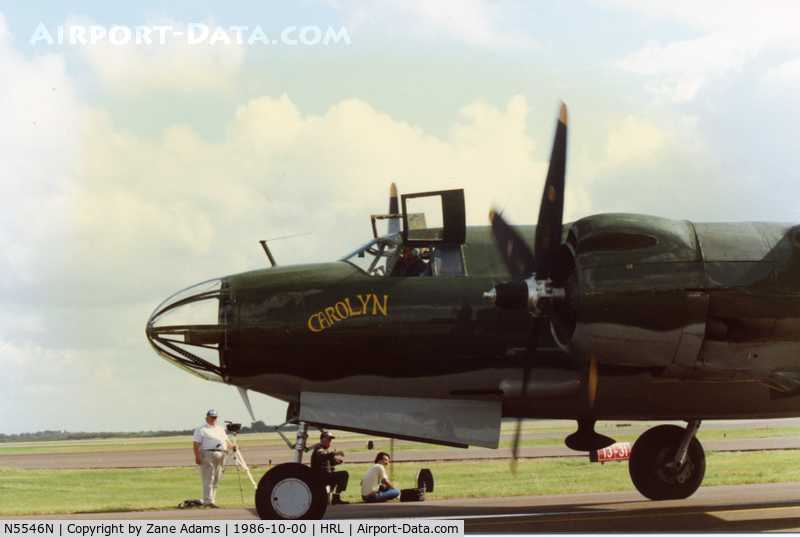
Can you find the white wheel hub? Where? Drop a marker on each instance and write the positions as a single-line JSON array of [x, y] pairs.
[[291, 498]]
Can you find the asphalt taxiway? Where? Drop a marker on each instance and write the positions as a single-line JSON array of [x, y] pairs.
[[742, 508], [261, 455]]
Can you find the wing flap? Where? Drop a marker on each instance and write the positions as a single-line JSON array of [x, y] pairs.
[[457, 422]]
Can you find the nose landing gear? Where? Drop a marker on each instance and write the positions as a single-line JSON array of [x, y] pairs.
[[668, 462], [292, 490]]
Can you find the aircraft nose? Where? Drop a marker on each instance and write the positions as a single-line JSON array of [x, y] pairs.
[[189, 328]]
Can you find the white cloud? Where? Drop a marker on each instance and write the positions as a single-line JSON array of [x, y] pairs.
[[732, 35], [784, 77], [176, 65], [39, 145], [773, 18], [633, 140], [474, 22], [277, 172], [679, 70]]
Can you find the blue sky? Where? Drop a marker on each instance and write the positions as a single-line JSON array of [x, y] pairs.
[[133, 171]]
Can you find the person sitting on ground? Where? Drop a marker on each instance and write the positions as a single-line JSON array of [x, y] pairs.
[[323, 459], [376, 487]]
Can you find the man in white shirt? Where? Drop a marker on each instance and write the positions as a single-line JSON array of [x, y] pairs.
[[376, 487], [210, 443]]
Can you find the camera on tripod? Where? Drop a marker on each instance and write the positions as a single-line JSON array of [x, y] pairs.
[[232, 428]]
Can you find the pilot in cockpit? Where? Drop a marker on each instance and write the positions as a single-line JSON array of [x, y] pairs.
[[410, 263]]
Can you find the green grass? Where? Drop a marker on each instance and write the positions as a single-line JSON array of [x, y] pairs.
[[71, 491]]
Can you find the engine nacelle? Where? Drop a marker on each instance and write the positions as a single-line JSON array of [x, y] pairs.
[[653, 292], [638, 291]]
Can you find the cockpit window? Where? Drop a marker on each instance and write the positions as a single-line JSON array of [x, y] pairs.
[[448, 260], [616, 241], [376, 256], [388, 256], [412, 262]]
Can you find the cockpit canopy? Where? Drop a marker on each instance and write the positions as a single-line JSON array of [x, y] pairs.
[[390, 256], [426, 242]]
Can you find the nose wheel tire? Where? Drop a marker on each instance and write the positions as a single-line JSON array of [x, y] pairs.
[[653, 469], [290, 491]]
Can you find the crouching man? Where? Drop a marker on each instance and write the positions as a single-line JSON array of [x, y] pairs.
[[376, 487], [323, 459]]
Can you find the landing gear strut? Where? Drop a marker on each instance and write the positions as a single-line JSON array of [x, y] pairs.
[[300, 442], [291, 490], [667, 462]]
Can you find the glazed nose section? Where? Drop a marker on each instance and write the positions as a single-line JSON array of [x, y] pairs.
[[189, 328]]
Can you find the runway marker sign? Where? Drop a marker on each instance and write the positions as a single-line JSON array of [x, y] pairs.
[[621, 451]]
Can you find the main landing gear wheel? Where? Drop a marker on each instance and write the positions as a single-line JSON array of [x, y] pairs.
[[290, 491], [653, 467]]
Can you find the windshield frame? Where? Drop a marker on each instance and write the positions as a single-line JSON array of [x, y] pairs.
[[376, 248]]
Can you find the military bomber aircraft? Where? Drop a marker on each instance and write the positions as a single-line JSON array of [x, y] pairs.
[[437, 333]]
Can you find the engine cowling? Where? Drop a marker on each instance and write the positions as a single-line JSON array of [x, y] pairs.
[[635, 291]]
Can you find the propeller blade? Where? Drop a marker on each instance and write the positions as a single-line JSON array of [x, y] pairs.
[[515, 448], [394, 208], [518, 432], [551, 209], [516, 254]]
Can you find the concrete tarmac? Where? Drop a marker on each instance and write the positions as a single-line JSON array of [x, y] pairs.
[[260, 455], [742, 508]]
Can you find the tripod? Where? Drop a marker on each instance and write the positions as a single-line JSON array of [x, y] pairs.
[[238, 460]]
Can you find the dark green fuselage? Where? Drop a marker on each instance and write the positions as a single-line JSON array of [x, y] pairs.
[[685, 320]]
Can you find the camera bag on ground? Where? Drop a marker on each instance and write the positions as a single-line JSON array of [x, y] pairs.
[[412, 495], [425, 480], [424, 484]]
